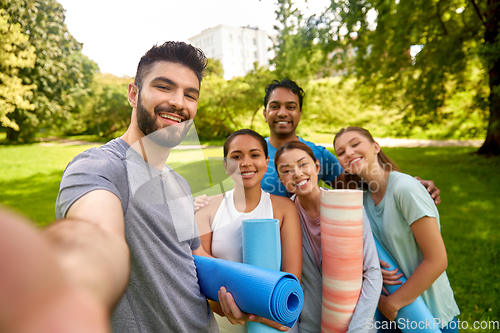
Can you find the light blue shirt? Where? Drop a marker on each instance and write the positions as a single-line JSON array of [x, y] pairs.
[[405, 201], [330, 168]]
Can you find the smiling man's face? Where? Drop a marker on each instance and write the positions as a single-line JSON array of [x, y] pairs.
[[167, 102], [282, 112]]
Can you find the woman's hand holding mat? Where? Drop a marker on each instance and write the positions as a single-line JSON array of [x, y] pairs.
[[266, 293], [416, 314]]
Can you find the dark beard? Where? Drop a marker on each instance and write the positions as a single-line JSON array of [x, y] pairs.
[[169, 136]]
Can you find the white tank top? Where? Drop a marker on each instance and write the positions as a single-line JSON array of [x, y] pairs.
[[226, 226], [227, 240]]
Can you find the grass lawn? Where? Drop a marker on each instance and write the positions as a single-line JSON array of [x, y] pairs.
[[469, 210], [30, 178]]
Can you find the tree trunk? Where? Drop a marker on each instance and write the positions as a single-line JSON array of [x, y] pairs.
[[12, 135], [491, 145]]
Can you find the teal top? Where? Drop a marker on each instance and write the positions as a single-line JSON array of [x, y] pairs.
[[404, 202]]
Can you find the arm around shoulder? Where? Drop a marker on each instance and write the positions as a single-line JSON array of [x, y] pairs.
[[331, 168]]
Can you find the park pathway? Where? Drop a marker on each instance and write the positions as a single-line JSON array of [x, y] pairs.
[[391, 142], [384, 142]]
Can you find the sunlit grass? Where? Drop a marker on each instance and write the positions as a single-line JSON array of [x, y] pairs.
[[30, 178]]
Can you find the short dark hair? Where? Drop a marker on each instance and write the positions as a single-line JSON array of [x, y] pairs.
[[176, 52], [245, 131], [284, 83]]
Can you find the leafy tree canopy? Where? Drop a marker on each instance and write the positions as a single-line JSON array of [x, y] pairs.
[[61, 74], [297, 53], [214, 67], [226, 106], [416, 54], [106, 111], [15, 53]]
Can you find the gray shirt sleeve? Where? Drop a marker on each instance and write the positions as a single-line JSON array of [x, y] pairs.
[[94, 169], [372, 282]]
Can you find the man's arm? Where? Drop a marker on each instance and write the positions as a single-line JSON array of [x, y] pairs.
[[331, 169], [68, 277], [90, 245], [238, 317]]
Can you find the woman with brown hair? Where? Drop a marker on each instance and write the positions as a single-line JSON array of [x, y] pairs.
[[298, 171], [405, 220]]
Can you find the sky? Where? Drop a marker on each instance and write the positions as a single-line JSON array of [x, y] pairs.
[[116, 33]]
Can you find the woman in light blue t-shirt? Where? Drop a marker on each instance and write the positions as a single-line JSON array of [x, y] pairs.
[[405, 220]]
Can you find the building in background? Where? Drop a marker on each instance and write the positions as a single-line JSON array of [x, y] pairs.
[[237, 48]]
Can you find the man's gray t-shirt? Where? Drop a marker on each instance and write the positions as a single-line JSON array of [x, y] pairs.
[[163, 294]]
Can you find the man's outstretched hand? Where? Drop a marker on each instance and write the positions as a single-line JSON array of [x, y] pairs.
[[35, 295]]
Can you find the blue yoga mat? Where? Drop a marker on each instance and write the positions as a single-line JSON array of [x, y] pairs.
[[262, 248], [267, 293], [414, 317], [261, 243]]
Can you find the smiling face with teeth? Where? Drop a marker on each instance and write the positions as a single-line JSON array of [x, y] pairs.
[[282, 112], [356, 153], [168, 98], [298, 171], [246, 161]]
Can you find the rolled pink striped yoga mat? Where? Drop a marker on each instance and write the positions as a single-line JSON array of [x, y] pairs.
[[342, 256]]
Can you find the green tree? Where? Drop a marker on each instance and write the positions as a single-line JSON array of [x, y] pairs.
[[297, 53], [455, 39], [226, 106], [105, 111], [214, 67], [490, 17], [15, 53], [61, 75]]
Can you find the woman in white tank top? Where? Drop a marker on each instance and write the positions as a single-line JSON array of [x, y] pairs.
[[219, 224]]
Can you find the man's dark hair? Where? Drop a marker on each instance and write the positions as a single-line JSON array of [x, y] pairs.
[[176, 52], [245, 131], [284, 83]]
